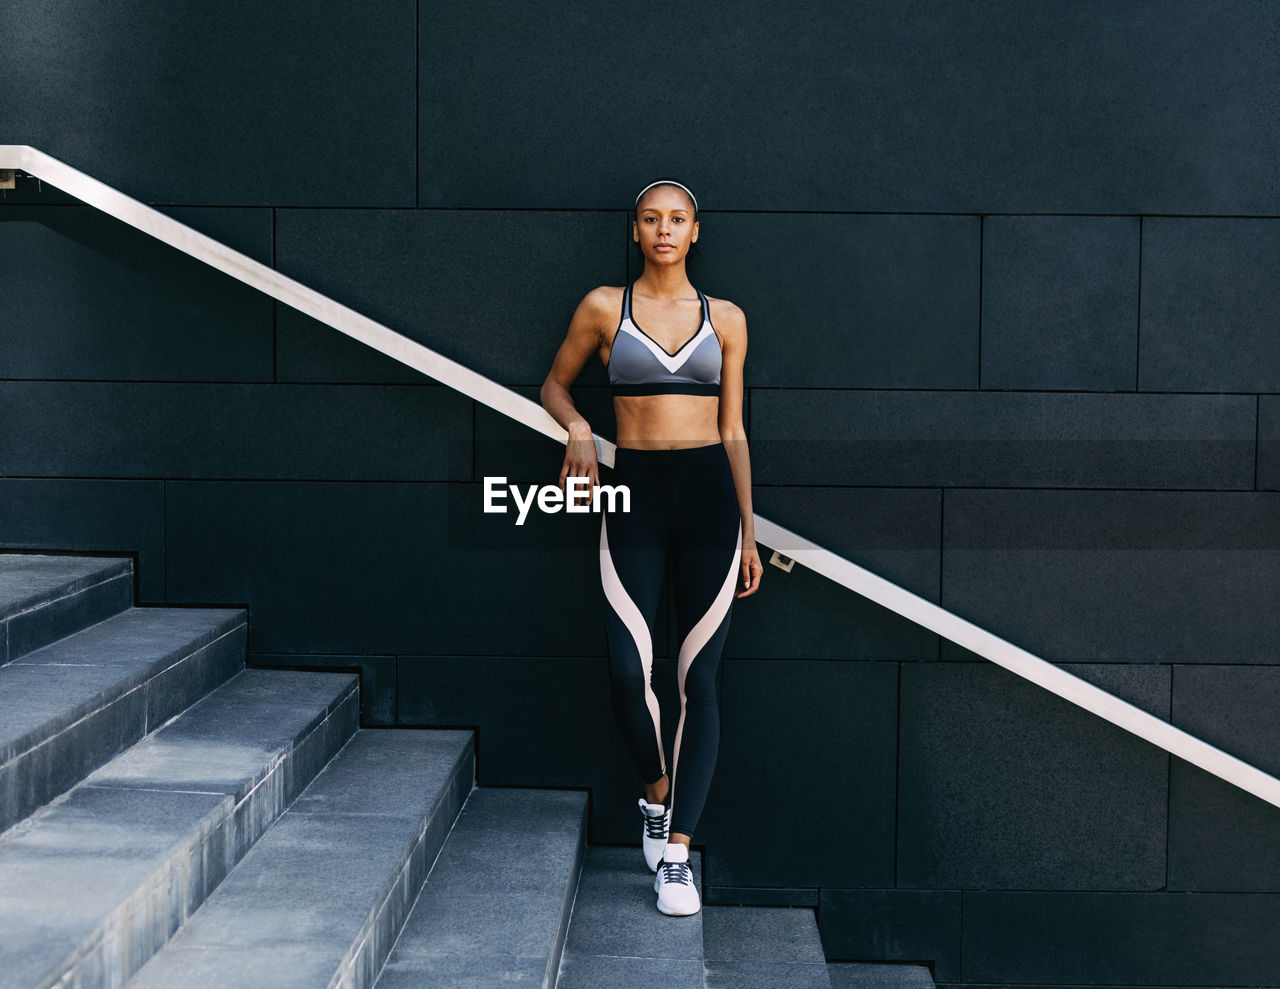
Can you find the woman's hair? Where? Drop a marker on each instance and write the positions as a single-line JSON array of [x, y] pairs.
[[673, 182]]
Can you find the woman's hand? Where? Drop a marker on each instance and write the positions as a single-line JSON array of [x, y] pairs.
[[752, 569], [580, 459]]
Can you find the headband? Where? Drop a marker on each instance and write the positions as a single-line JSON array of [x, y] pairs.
[[692, 197]]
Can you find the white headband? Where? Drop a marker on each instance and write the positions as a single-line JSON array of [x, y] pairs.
[[692, 198]]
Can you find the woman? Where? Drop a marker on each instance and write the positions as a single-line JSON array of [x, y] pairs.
[[682, 452]]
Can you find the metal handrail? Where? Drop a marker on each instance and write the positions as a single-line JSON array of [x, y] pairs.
[[531, 414]]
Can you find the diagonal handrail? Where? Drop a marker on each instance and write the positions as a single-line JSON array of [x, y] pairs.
[[502, 399]]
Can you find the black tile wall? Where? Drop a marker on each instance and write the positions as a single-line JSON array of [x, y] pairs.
[[493, 290], [506, 448], [816, 740], [1117, 576], [1220, 837], [1003, 785], [899, 925], [1060, 302], [122, 517], [1268, 443], [1209, 308], [549, 724], [847, 301], [1121, 939], [190, 430], [95, 298], [1003, 439], [892, 533], [384, 568], [256, 104], [996, 106]]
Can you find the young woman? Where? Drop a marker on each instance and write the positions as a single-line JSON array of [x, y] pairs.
[[674, 358]]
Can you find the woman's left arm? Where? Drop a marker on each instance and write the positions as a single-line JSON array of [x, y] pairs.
[[733, 326]]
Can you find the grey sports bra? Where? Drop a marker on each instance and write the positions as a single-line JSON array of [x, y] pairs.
[[638, 365]]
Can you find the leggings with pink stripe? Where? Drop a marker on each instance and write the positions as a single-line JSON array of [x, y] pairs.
[[684, 510]]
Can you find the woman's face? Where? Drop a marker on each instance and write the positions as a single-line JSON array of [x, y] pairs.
[[664, 227]]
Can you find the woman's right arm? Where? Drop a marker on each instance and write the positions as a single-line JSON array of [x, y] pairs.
[[580, 343]]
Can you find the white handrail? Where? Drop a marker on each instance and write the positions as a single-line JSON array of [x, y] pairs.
[[822, 561]]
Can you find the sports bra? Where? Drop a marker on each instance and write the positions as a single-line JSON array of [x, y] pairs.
[[639, 366]]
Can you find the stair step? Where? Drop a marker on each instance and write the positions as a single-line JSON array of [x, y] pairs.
[[617, 935], [749, 947], [495, 908], [320, 898], [866, 975], [68, 707], [96, 882], [45, 596]]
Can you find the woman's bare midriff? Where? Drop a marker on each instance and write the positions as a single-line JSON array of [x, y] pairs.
[[667, 422]]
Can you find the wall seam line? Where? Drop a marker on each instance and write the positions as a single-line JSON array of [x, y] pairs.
[[1137, 331]]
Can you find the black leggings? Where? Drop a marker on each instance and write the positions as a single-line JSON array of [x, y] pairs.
[[684, 507]]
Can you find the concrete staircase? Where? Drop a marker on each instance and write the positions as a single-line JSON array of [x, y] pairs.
[[171, 818], [618, 938]]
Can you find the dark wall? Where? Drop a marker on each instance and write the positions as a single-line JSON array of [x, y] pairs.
[[1008, 271]]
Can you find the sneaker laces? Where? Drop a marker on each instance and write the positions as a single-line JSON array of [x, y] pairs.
[[655, 825], [677, 872]]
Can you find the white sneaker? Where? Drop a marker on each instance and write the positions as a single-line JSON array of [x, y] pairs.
[[677, 896], [657, 823]]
